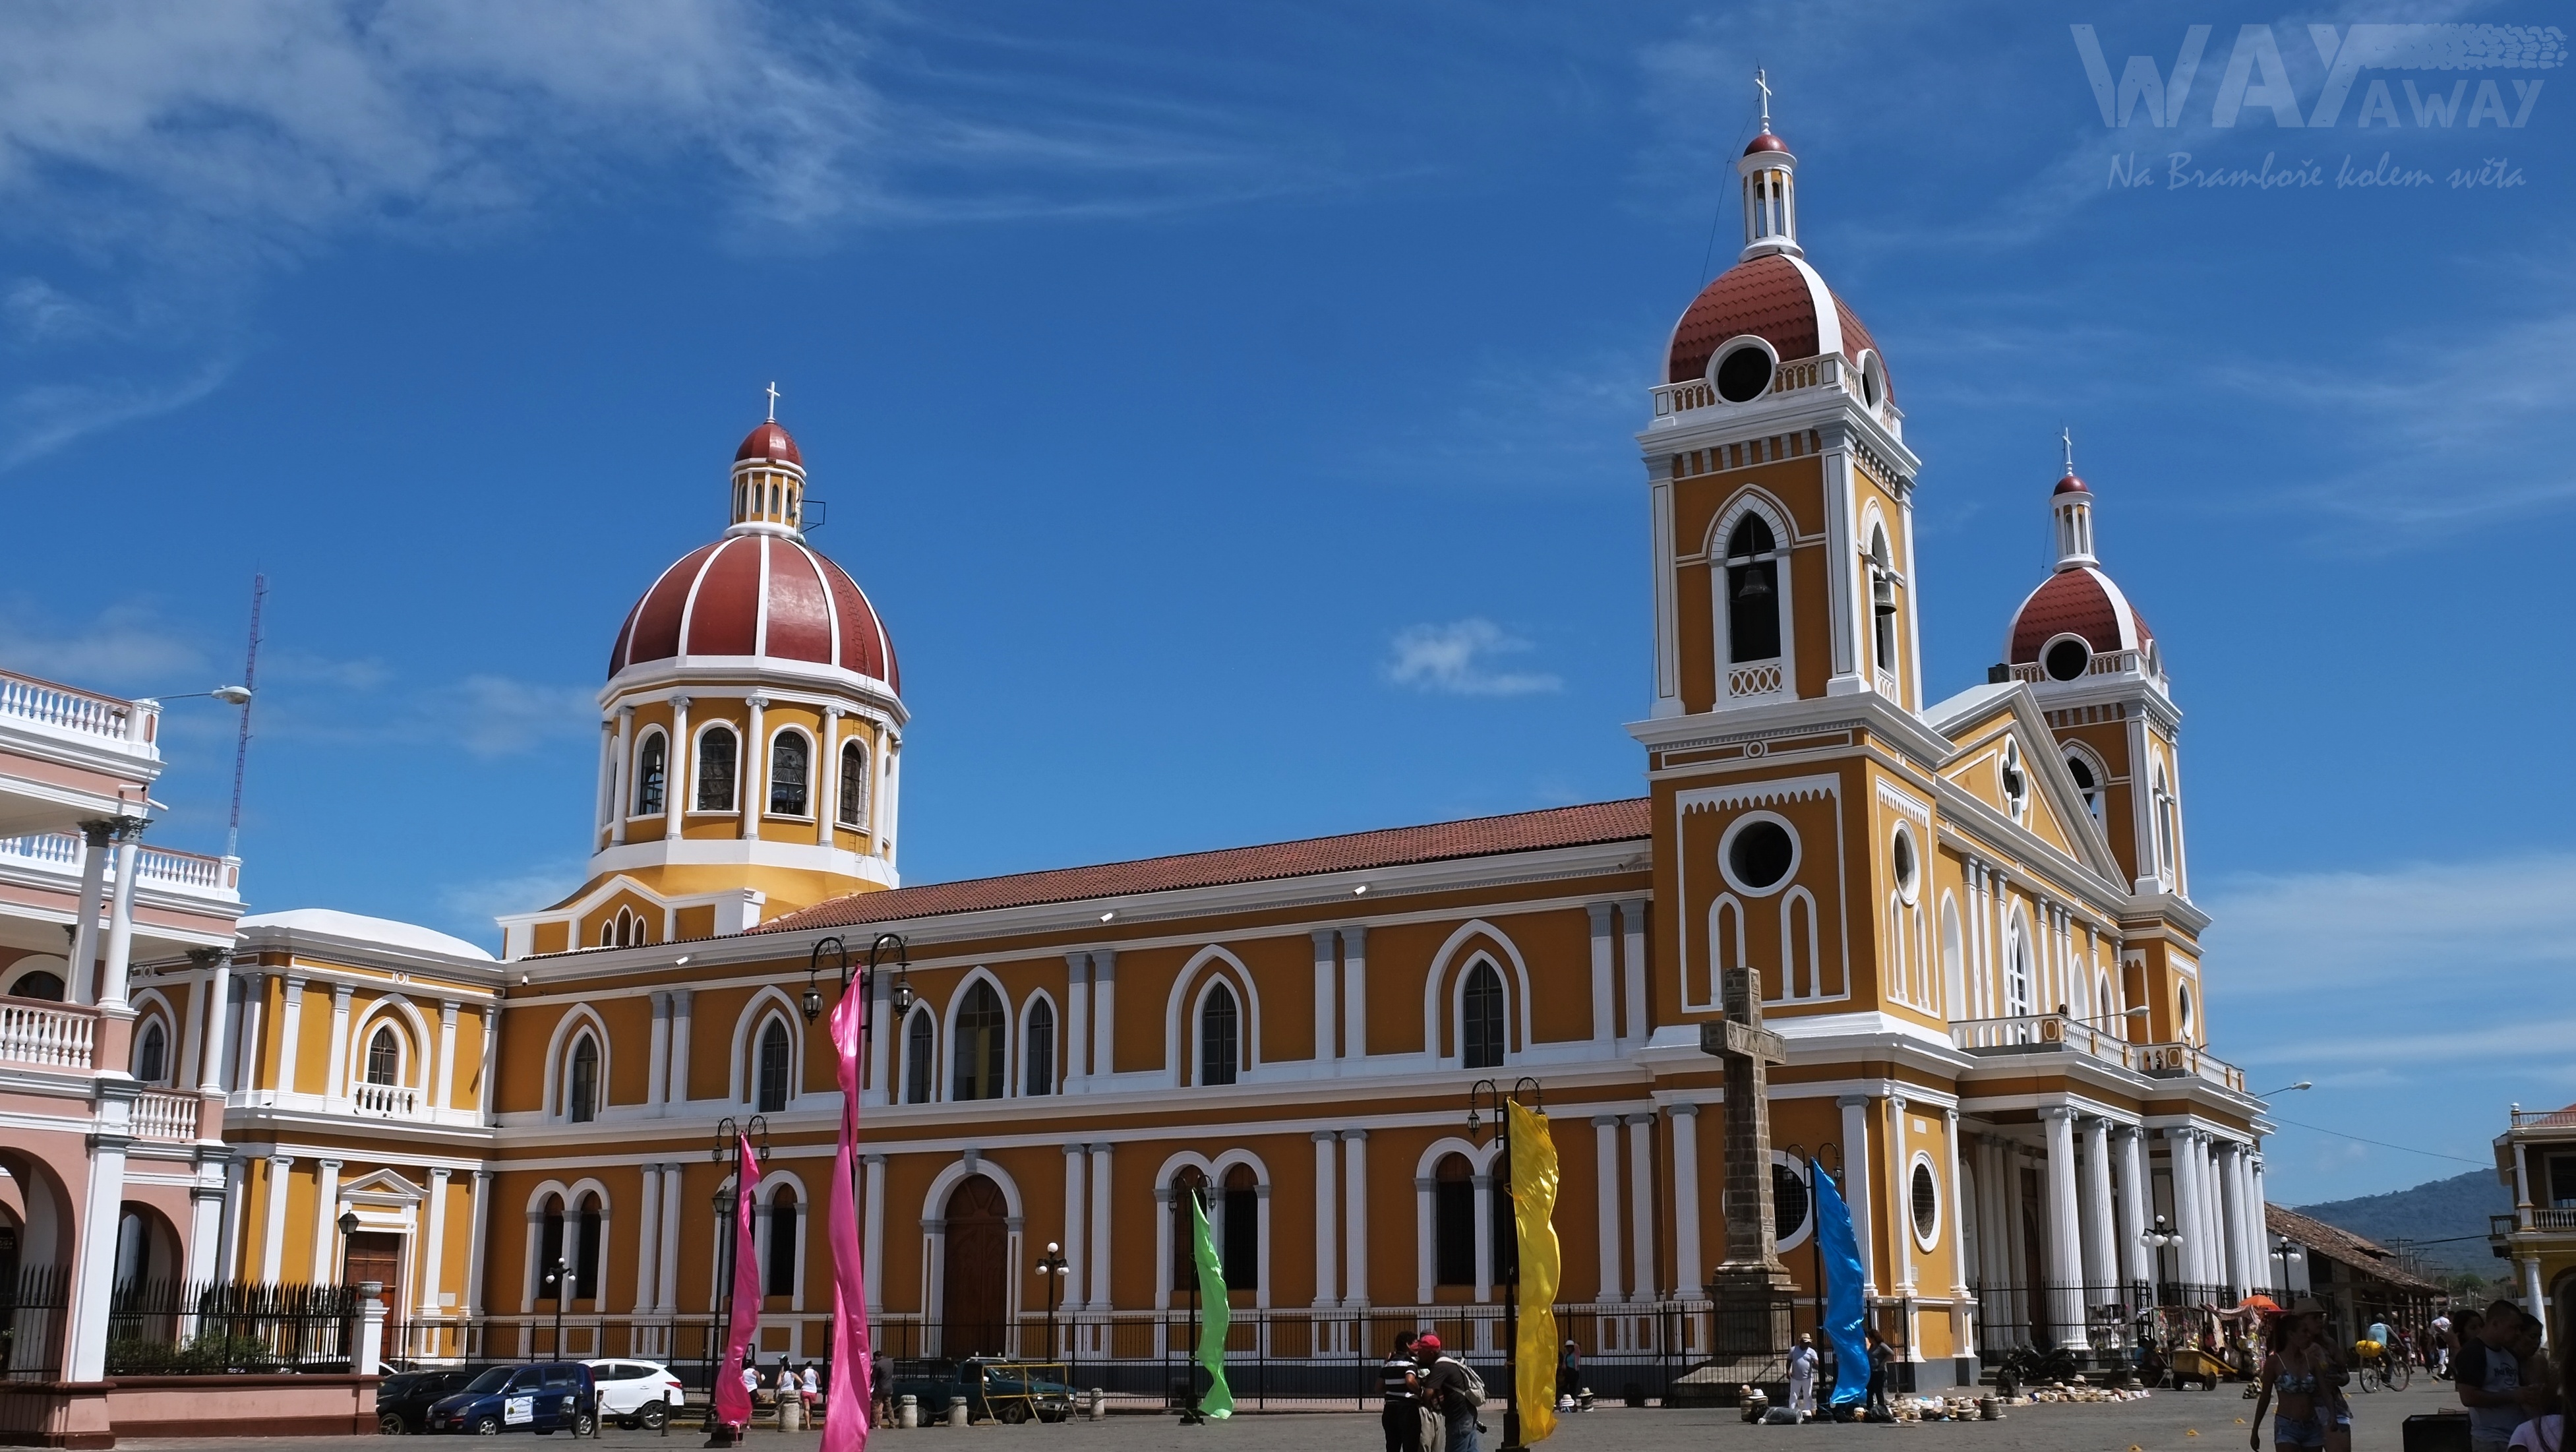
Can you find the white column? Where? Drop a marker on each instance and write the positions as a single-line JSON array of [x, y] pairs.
[[1963, 1339], [675, 770], [326, 1218], [607, 815], [488, 1067], [2263, 1221], [873, 1246], [1077, 1198], [2101, 1247], [219, 997], [272, 1231], [443, 1092], [1687, 1275], [881, 1028], [1355, 1218], [1855, 1108], [1328, 1196], [648, 1240], [245, 1070], [1632, 950], [666, 1267], [1605, 987], [676, 1078], [755, 768], [228, 1243], [479, 1207], [2231, 1185], [2532, 1301], [290, 1033], [1641, 1208], [1077, 1030], [2181, 1150], [1104, 1014], [1326, 1030], [1422, 1232], [827, 777], [433, 1257], [1100, 1209], [335, 1079], [1355, 993], [120, 923], [2134, 1253], [620, 789], [205, 1230], [657, 1055], [1900, 1223], [893, 797], [2213, 1211], [1484, 1183], [1605, 1155], [95, 847], [2065, 1271], [86, 1319]]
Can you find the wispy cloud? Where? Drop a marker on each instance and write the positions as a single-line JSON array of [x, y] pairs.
[[39, 420], [1456, 659], [471, 905], [130, 646], [497, 716]]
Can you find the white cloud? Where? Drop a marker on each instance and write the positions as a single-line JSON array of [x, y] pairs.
[[1453, 659], [127, 646], [40, 420], [472, 905], [2298, 933], [496, 716]]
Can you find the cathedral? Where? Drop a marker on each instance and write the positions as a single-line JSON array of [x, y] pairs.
[[1968, 913]]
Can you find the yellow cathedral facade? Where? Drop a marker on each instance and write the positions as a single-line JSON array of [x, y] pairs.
[[1970, 913]]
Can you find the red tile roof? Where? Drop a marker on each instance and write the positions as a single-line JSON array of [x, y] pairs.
[[758, 595], [1539, 831], [2340, 1245]]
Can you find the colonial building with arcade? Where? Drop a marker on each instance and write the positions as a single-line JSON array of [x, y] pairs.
[[1969, 911]]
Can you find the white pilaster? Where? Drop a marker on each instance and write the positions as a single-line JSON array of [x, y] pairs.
[[676, 1080], [1962, 1328], [219, 997], [86, 1318], [1632, 953], [1326, 1028], [621, 789], [1328, 1207], [675, 770], [244, 1073], [326, 1221], [1687, 1275], [443, 1091], [1099, 1299], [97, 841], [1855, 1108], [1077, 1035], [433, 1256], [290, 1034], [1641, 1208], [228, 1242], [1104, 1017], [2182, 1151], [1355, 993], [1484, 1190], [648, 1240], [873, 1244], [1077, 1199], [1605, 1179], [1899, 1191], [335, 1079], [1605, 987], [657, 1055], [827, 778], [754, 774], [477, 1230], [1355, 1218], [272, 1232]]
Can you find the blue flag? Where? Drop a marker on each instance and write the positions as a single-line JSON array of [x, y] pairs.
[[1843, 1310]]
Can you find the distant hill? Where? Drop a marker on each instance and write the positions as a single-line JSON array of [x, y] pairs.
[[2437, 1210]]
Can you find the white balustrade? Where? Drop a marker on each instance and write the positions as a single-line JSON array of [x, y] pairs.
[[52, 1035], [393, 1101], [1752, 680], [157, 866], [1793, 376], [26, 698], [161, 1115]]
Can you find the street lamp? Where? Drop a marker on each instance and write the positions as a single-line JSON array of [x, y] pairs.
[[2286, 1089], [727, 1149], [2157, 1239], [1492, 1094], [901, 1002], [229, 695], [1053, 1268], [348, 1227], [555, 1280]]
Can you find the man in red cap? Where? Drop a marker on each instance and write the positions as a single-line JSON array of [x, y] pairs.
[[1452, 1390]]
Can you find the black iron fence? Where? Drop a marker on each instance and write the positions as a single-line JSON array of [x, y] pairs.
[[2106, 1319], [31, 1323], [187, 1328]]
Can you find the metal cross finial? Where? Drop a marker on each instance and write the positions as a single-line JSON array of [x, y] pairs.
[[2066, 436], [1762, 83], [773, 400]]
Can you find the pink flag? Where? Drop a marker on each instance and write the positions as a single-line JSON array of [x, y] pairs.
[[845, 1410], [732, 1398]]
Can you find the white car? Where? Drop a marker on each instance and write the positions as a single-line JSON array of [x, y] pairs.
[[637, 1393]]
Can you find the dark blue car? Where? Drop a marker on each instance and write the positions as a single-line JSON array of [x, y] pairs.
[[551, 1396]]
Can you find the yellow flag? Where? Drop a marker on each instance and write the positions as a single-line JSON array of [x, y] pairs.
[[1534, 1211]]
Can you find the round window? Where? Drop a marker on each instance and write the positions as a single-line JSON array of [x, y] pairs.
[[1873, 381], [1901, 857], [1759, 854], [1788, 1203], [1744, 374], [1927, 1202], [2067, 659]]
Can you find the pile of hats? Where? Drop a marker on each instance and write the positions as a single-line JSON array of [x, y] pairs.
[[1936, 1409]]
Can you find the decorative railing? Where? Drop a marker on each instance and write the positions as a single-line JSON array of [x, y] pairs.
[[53, 1035], [2057, 1032], [2184, 1061], [43, 703], [162, 1115], [398, 1101], [2545, 1118], [1752, 680], [2103, 663], [1797, 375], [191, 872], [2553, 1217]]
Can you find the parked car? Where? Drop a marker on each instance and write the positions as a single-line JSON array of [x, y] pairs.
[[403, 1398], [637, 1393], [550, 1396], [995, 1388]]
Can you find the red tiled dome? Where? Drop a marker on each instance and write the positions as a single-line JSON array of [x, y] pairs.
[[2070, 485], [758, 595], [2078, 600], [1766, 142], [1777, 298], [769, 441]]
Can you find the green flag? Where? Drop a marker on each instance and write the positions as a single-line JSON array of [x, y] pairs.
[[1214, 1314]]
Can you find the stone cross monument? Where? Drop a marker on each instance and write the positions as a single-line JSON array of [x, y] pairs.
[[1751, 1287]]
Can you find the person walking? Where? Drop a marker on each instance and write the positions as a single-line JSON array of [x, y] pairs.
[[1802, 1377], [880, 1389], [1882, 1363], [2296, 1368], [1399, 1381], [811, 1389], [1455, 1391]]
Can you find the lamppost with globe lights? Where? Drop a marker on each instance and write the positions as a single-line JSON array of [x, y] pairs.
[[1053, 1268], [558, 1279], [2158, 1239]]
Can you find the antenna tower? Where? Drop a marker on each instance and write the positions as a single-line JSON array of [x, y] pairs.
[[250, 679]]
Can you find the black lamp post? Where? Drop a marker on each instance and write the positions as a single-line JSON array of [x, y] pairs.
[[1053, 1268], [348, 1227], [901, 1003], [558, 1279], [727, 1149], [1490, 1093]]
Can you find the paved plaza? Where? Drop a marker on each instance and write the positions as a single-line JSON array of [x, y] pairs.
[[2173, 1421]]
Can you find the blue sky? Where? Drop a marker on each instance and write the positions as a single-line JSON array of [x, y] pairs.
[[1229, 409]]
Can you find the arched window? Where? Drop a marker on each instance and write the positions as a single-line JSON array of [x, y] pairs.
[[916, 1058], [773, 1066], [1037, 1060], [788, 758], [1187, 1184], [778, 1278], [2166, 862], [652, 774], [1453, 1221], [854, 785], [45, 986], [1217, 1022], [552, 1257], [2087, 784], [1242, 1246], [152, 1055], [1882, 599], [581, 1085], [1484, 1031], [976, 1054], [2182, 1004], [2017, 982], [1752, 593], [384, 1056], [1953, 961], [715, 770]]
